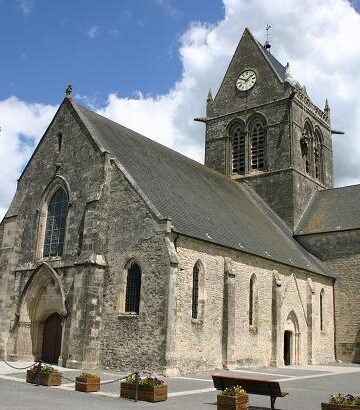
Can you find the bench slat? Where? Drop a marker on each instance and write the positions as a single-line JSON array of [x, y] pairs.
[[252, 386]]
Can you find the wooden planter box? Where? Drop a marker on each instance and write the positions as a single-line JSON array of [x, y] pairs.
[[45, 379], [232, 402], [330, 406], [92, 384], [146, 393]]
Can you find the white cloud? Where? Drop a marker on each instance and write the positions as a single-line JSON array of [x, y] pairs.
[[25, 6], [22, 125], [323, 51], [168, 9], [92, 32]]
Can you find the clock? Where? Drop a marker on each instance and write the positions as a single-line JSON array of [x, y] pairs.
[[246, 80]]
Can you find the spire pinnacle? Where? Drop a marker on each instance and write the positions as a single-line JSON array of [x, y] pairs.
[[210, 96], [327, 108]]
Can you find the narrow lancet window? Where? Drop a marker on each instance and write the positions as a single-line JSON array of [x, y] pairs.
[[195, 292], [251, 301], [257, 135], [56, 224], [133, 287], [322, 293]]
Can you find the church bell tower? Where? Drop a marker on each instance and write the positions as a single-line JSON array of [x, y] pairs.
[[263, 130]]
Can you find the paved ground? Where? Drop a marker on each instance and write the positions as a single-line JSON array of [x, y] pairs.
[[307, 385]]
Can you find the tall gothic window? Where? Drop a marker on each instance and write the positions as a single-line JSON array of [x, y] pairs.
[[133, 287], [55, 224], [317, 155], [237, 134], [198, 292], [322, 294], [257, 136]]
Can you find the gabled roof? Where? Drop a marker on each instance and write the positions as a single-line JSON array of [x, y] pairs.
[[331, 210], [276, 65], [202, 203]]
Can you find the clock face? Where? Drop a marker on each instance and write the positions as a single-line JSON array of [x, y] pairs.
[[246, 80]]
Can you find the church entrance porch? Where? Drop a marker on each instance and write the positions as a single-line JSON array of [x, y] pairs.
[[51, 345], [38, 330]]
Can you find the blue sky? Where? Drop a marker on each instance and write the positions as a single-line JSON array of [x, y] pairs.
[[101, 47], [148, 64]]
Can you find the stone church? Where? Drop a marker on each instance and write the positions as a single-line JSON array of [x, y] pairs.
[[118, 252]]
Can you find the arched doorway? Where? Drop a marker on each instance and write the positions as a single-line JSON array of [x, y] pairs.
[[51, 346], [291, 340], [41, 309]]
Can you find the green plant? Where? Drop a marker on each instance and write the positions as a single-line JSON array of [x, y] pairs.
[[348, 399], [145, 381], [151, 381], [234, 391], [44, 369], [88, 375]]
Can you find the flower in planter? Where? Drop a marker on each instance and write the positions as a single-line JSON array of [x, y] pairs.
[[233, 398], [87, 382], [234, 391], [43, 374], [150, 388], [44, 369], [347, 399], [145, 381], [87, 375]]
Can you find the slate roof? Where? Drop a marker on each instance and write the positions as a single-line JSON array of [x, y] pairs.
[[331, 210], [278, 67], [202, 203]]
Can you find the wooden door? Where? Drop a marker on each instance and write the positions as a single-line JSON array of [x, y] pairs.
[[287, 348], [52, 339]]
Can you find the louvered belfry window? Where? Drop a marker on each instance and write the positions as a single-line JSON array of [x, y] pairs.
[[133, 287], [238, 134], [257, 134], [317, 156], [195, 292], [56, 224]]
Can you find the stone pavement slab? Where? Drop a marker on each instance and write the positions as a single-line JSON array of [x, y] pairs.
[[307, 387]]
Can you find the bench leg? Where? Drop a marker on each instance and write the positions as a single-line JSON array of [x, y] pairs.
[[272, 399]]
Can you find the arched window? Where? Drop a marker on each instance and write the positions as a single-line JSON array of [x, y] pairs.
[[257, 140], [198, 291], [133, 287], [57, 210], [252, 301], [322, 294], [317, 155], [237, 135]]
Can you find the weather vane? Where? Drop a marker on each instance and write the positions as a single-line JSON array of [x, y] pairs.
[[68, 90], [267, 44]]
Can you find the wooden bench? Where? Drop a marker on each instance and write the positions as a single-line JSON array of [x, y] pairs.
[[253, 386]]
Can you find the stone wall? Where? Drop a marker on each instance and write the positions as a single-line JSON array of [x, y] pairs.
[[134, 342], [341, 252], [200, 345]]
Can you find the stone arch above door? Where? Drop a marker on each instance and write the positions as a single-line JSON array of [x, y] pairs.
[[42, 296]]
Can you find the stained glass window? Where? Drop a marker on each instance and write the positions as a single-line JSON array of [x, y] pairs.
[[56, 224]]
